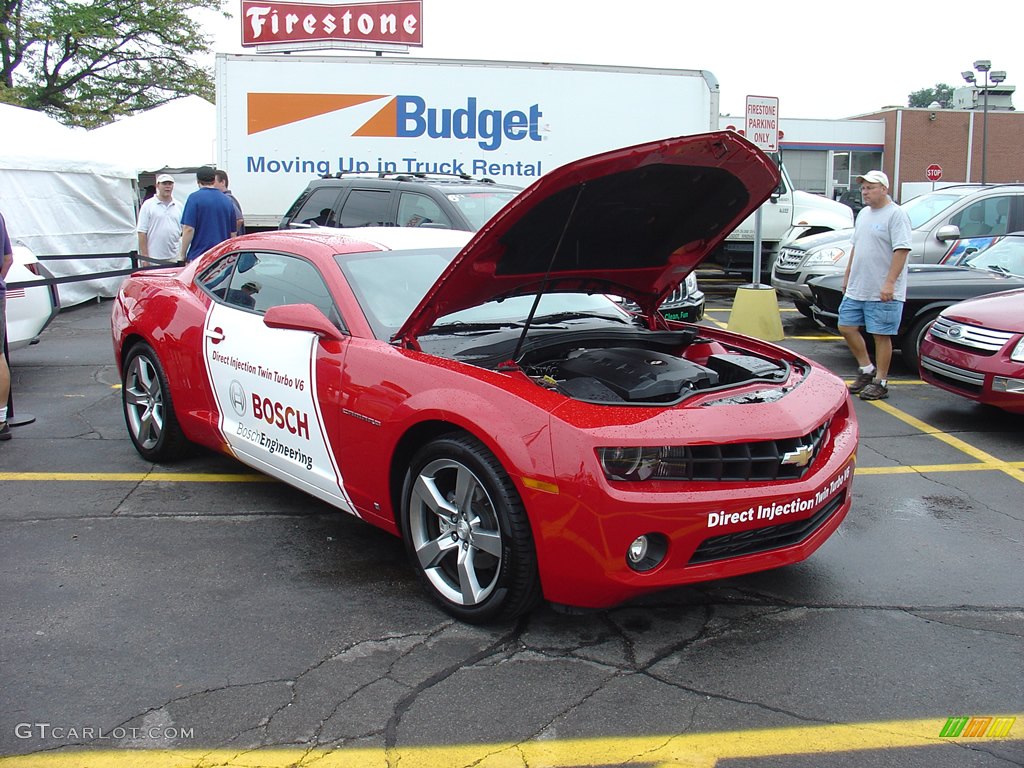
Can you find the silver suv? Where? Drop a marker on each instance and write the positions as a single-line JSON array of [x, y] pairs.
[[948, 224]]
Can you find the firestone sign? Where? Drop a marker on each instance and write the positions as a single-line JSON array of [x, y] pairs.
[[364, 24]]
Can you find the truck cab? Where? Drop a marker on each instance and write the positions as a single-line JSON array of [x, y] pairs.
[[787, 215]]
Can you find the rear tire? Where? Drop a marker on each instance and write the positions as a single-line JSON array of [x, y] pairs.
[[467, 533], [148, 410]]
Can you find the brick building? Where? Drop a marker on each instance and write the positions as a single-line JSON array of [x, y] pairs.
[[953, 139]]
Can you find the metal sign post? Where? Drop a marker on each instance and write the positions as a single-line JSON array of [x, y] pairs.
[[755, 310]]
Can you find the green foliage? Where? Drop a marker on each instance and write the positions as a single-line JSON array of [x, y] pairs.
[[941, 93], [87, 62]]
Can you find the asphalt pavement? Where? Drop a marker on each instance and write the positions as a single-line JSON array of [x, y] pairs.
[[196, 614]]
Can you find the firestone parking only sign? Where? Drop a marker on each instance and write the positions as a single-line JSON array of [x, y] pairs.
[[762, 127]]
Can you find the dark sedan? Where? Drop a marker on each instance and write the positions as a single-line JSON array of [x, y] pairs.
[[931, 288]]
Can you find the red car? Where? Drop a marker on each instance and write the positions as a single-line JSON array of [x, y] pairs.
[[480, 396], [975, 349]]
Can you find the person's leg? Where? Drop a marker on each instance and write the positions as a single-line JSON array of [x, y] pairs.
[[5, 372], [883, 356], [851, 318], [855, 341], [882, 320]]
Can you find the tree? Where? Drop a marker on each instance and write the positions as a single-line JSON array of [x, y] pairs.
[[87, 62], [941, 93]]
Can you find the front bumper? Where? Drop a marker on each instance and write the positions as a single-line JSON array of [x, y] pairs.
[[991, 379], [713, 530]]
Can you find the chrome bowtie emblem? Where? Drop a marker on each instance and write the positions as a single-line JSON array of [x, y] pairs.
[[801, 457]]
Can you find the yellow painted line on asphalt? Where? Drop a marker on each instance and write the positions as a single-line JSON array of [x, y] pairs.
[[700, 750], [914, 469], [138, 477], [987, 459]]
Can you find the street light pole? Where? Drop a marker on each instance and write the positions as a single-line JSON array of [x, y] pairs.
[[984, 65]]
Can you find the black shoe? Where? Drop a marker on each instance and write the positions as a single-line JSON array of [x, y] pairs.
[[862, 380], [874, 391], [5, 431]]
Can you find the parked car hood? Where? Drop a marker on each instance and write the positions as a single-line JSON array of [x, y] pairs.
[[939, 281], [633, 222], [1003, 310], [825, 240]]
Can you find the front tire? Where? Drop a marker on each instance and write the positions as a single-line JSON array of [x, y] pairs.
[[148, 410], [467, 533], [910, 349]]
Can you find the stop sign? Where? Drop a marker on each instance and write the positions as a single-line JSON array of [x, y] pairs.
[[933, 172]]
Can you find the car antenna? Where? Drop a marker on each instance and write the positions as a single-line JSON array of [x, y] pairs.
[[547, 275]]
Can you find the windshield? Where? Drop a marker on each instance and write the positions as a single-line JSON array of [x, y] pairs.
[[390, 284], [926, 207], [479, 206], [1007, 255]]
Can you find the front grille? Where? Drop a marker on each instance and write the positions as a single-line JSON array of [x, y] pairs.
[[960, 378], [985, 340], [789, 259], [785, 459], [764, 539], [677, 297], [788, 277]]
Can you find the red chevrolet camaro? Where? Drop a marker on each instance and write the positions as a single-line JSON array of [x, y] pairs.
[[480, 395]]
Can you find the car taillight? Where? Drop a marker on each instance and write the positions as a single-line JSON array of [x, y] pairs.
[[34, 269]]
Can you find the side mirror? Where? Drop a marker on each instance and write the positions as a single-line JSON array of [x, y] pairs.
[[947, 233], [302, 317]]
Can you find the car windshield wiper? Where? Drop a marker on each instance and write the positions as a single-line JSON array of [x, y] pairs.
[[997, 268], [558, 317], [460, 327]]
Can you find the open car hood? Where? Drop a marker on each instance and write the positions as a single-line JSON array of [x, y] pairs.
[[633, 222]]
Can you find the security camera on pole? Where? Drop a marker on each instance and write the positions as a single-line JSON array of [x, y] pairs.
[[755, 310]]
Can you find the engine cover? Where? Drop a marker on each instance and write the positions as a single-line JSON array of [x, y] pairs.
[[638, 375]]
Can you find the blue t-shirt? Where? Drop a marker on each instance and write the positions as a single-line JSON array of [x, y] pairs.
[[210, 213]]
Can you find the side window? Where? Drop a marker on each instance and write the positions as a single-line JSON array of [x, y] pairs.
[[990, 216], [259, 281], [416, 210], [316, 209], [366, 208]]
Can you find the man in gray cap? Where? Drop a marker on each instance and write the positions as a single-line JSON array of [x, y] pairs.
[[875, 284]]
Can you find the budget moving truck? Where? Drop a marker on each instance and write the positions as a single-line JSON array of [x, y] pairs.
[[286, 119]]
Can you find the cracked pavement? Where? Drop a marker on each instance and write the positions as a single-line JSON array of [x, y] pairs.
[[223, 618]]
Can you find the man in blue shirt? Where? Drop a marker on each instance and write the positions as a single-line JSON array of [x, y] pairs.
[[208, 218]]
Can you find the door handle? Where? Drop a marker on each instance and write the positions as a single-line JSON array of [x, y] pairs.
[[216, 335]]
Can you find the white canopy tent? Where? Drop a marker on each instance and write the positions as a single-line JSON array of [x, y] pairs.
[[176, 137], [66, 191], [59, 199]]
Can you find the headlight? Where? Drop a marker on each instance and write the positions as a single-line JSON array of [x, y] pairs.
[[1018, 352], [827, 256], [691, 284], [626, 463]]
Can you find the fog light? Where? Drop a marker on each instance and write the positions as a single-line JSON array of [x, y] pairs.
[[646, 552], [638, 550], [1004, 384]]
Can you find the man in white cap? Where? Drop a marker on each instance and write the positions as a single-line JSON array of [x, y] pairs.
[[875, 285], [159, 227]]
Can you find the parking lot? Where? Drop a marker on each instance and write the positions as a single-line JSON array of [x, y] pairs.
[[215, 617]]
